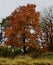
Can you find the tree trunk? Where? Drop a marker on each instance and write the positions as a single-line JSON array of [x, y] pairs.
[[24, 48], [51, 45]]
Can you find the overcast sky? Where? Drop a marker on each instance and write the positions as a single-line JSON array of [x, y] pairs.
[[7, 6]]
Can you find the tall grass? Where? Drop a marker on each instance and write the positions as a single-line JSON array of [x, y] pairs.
[[26, 60]]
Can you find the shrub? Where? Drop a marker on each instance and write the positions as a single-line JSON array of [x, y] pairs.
[[48, 55], [36, 54], [7, 52]]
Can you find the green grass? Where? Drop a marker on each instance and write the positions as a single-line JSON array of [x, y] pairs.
[[26, 60]]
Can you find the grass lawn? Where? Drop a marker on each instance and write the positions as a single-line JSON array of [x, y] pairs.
[[26, 60]]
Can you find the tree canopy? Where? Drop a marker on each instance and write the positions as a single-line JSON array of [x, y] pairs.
[[24, 27]]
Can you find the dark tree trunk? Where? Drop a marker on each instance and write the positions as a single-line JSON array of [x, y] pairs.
[[1, 35], [24, 48], [51, 45]]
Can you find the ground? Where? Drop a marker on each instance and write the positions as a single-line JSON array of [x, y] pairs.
[[26, 60]]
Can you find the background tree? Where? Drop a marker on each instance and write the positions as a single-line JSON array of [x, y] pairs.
[[24, 28], [3, 25], [47, 25], [5, 21]]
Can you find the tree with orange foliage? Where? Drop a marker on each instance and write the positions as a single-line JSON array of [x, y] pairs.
[[24, 27]]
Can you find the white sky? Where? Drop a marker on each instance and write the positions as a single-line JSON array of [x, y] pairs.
[[7, 6]]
